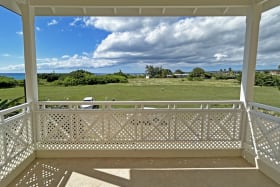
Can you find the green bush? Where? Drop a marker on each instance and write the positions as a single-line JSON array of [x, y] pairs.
[[7, 82], [81, 77]]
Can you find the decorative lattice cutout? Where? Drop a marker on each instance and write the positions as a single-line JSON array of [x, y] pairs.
[[139, 129], [16, 143], [267, 136]]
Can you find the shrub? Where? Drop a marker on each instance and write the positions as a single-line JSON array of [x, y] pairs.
[[7, 82]]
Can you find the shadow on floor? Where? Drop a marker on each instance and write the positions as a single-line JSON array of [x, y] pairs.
[[144, 172]]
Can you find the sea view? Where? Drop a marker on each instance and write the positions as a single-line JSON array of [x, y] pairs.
[[17, 76]]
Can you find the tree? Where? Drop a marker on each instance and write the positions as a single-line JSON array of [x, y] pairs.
[[197, 72], [157, 72], [178, 71], [279, 66]]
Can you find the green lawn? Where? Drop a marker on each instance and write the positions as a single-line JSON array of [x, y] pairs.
[[152, 89]]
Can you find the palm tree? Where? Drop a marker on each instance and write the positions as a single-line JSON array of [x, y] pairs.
[[4, 104]]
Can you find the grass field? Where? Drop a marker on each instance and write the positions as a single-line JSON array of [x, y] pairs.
[[152, 89]]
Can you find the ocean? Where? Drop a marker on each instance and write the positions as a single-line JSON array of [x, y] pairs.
[[17, 76]]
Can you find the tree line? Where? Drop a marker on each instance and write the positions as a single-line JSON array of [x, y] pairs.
[[82, 77], [264, 78]]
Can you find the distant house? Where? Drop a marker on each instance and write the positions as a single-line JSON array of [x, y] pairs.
[[177, 75], [275, 72], [270, 71]]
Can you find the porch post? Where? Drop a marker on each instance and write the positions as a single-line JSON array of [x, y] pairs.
[[250, 54], [29, 53]]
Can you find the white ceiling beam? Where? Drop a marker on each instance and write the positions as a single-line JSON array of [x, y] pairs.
[[53, 10], [84, 11], [163, 11], [11, 5], [139, 3], [270, 4], [194, 11], [261, 2], [225, 11], [115, 11]]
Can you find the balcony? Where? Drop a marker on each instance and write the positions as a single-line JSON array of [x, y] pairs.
[[128, 143], [197, 143]]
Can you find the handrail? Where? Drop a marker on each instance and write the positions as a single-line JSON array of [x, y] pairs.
[[12, 109], [139, 102], [232, 104], [18, 111], [263, 106]]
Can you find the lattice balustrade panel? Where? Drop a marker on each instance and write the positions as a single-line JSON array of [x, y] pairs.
[[56, 127], [16, 143], [224, 126], [267, 136], [88, 127], [122, 126], [209, 129], [139, 129], [158, 126], [189, 126]]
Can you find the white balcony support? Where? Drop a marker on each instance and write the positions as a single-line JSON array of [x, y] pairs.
[[29, 53], [250, 53]]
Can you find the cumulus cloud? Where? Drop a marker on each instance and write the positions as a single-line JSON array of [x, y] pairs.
[[72, 62], [183, 42], [38, 28], [269, 39], [219, 56], [52, 22], [12, 68]]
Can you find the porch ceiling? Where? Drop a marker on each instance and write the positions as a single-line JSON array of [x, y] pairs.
[[139, 7]]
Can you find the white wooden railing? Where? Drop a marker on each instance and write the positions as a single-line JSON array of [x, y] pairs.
[[16, 138], [140, 125], [266, 128]]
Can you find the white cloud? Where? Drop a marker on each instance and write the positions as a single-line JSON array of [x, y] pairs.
[[65, 56], [12, 68], [38, 28], [220, 56], [172, 41], [6, 55], [19, 33], [52, 22], [75, 21], [72, 62]]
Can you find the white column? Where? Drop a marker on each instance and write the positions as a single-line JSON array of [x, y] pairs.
[[250, 53], [29, 53]]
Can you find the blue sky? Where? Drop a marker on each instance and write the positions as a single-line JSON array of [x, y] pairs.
[[110, 44]]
